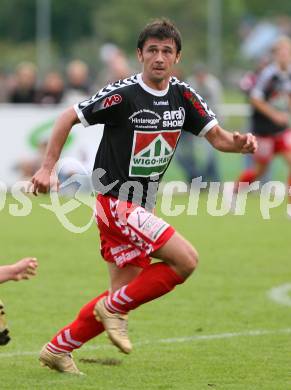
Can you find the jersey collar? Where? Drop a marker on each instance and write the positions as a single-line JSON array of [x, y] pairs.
[[150, 90]]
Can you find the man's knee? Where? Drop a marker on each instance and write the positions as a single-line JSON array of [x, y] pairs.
[[190, 260], [186, 262], [179, 254]]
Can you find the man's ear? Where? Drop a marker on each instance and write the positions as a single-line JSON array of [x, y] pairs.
[[139, 55], [178, 57]]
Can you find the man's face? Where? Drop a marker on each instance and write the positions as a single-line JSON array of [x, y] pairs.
[[283, 53], [158, 58]]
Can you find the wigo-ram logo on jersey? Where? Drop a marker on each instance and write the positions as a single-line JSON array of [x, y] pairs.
[[152, 152]]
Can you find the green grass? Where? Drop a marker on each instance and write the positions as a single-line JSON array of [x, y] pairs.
[[241, 259]]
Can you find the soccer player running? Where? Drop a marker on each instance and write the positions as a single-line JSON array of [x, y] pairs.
[[143, 117], [271, 121]]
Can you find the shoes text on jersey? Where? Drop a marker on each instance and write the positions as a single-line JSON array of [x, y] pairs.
[[115, 325]]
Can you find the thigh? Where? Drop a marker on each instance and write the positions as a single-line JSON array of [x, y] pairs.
[[176, 251]]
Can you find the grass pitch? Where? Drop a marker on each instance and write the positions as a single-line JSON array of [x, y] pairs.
[[217, 331]]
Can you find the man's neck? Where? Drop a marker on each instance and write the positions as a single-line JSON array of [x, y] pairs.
[[158, 85], [283, 66]]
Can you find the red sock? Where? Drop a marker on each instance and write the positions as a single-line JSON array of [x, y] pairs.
[[83, 329], [248, 176], [154, 281]]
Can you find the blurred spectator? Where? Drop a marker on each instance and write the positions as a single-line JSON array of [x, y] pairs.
[[52, 90], [78, 76], [3, 87], [207, 85], [78, 84], [210, 88], [284, 24], [116, 63], [185, 149], [259, 37], [248, 81], [24, 90], [29, 166]]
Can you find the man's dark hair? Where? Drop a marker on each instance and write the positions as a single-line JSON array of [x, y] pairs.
[[160, 29]]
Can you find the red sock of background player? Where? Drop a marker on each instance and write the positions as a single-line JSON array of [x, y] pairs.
[[154, 281], [83, 329], [248, 176]]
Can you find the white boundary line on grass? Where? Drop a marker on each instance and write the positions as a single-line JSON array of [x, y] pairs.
[[281, 294], [218, 336]]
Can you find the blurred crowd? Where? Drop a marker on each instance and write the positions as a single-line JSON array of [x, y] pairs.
[[23, 85], [76, 83]]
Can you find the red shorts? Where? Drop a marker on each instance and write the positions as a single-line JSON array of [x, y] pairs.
[[129, 233], [271, 145]]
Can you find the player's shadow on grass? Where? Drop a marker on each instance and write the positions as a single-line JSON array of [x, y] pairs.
[[102, 362]]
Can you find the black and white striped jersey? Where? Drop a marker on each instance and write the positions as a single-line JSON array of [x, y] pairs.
[[142, 127], [273, 86]]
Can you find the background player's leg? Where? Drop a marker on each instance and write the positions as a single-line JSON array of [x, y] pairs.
[[287, 157], [261, 160], [250, 175]]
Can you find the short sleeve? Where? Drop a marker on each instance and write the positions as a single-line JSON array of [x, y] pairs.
[[199, 118], [102, 108]]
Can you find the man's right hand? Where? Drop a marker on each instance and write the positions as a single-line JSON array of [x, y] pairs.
[[44, 180]]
